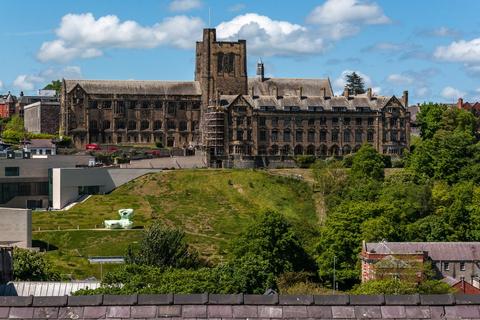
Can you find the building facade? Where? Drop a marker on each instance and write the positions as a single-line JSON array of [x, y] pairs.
[[42, 117], [229, 115], [454, 262]]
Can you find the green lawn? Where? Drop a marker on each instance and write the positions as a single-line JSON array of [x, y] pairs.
[[211, 206]]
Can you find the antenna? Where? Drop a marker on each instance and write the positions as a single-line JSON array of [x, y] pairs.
[[209, 18]]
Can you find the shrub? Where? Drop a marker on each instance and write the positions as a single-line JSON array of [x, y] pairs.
[[32, 266], [304, 161]]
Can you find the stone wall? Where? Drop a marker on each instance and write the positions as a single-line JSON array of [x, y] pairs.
[[213, 306]]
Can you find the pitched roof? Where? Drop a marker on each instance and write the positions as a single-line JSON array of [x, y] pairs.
[[152, 87], [290, 87], [41, 143], [437, 251]]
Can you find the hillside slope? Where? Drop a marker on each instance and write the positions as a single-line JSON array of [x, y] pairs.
[[212, 206]]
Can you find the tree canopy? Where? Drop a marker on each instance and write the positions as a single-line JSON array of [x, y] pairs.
[[54, 85], [354, 83]]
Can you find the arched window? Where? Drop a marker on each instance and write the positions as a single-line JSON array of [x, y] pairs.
[[322, 150], [274, 150], [311, 150], [298, 149], [285, 150]]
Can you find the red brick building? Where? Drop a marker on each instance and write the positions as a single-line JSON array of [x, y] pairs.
[[7, 105], [469, 106]]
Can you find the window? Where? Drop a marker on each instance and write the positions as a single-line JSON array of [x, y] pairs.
[[120, 124], [120, 107], [299, 136], [286, 122], [132, 125], [274, 135], [158, 105], [462, 266], [393, 136], [196, 106], [93, 125], [346, 121], [446, 266], [239, 134], [182, 125], [370, 121], [145, 104], [249, 121], [261, 121], [335, 121], [249, 135], [323, 136], [274, 121], [311, 136], [131, 104], [346, 136], [286, 136], [334, 136], [171, 107], [358, 136], [171, 125], [83, 190], [106, 124], [263, 135], [311, 121], [144, 125], [107, 104], [12, 171], [93, 104], [182, 106], [358, 121], [323, 120], [298, 122], [157, 125]]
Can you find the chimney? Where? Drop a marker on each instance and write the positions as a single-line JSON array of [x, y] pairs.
[[460, 103], [346, 94], [276, 92], [21, 93], [369, 93], [405, 98], [260, 70], [252, 92], [300, 92]]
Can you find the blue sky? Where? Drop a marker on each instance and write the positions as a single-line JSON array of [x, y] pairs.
[[429, 47]]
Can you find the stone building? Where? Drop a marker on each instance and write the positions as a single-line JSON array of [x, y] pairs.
[[42, 117], [231, 116]]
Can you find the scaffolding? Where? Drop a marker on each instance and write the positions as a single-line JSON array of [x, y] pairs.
[[214, 131]]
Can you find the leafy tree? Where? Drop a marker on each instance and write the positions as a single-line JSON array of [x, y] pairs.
[[355, 83], [54, 85], [429, 119], [14, 130], [271, 238], [368, 163], [163, 247], [32, 266]]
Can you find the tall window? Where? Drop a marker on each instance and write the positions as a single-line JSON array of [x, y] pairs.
[[132, 125], [346, 121], [106, 124], [144, 125], [239, 134], [263, 135], [183, 125], [261, 121], [299, 136], [358, 121], [323, 120], [93, 125], [334, 136], [335, 121], [311, 136], [358, 136], [323, 136], [274, 136], [157, 125], [286, 136], [346, 136], [370, 121]]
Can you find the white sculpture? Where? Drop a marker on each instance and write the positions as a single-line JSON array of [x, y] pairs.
[[123, 223]]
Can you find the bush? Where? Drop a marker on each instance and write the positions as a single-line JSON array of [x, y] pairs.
[[162, 247], [159, 145], [32, 266]]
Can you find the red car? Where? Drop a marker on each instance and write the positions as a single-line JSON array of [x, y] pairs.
[[92, 146]]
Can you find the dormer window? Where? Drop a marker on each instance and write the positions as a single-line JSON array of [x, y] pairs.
[[339, 109], [315, 108]]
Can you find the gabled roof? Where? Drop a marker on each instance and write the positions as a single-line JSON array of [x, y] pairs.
[[152, 87], [437, 251]]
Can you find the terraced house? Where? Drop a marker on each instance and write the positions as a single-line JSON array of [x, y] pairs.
[[231, 116]]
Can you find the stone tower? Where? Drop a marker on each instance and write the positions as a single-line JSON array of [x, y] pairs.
[[221, 67]]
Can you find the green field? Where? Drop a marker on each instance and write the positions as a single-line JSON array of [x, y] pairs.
[[211, 206]]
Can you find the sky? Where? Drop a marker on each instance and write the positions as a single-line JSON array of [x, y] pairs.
[[429, 47]]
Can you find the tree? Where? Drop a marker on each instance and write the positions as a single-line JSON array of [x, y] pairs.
[[14, 130], [54, 85], [355, 83], [162, 247], [368, 163], [271, 238], [429, 119], [32, 266]]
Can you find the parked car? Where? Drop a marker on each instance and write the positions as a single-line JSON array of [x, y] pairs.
[[92, 146]]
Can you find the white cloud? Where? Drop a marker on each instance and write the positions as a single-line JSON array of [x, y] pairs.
[[184, 5], [444, 32], [460, 51], [452, 93], [347, 11], [83, 36], [421, 92], [266, 36], [30, 82], [400, 79]]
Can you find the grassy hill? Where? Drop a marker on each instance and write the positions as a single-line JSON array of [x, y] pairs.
[[211, 206]]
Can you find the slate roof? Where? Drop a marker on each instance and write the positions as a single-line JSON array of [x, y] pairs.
[[351, 104], [146, 87], [287, 86], [437, 251]]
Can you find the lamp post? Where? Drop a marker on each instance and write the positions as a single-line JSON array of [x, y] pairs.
[[334, 275]]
